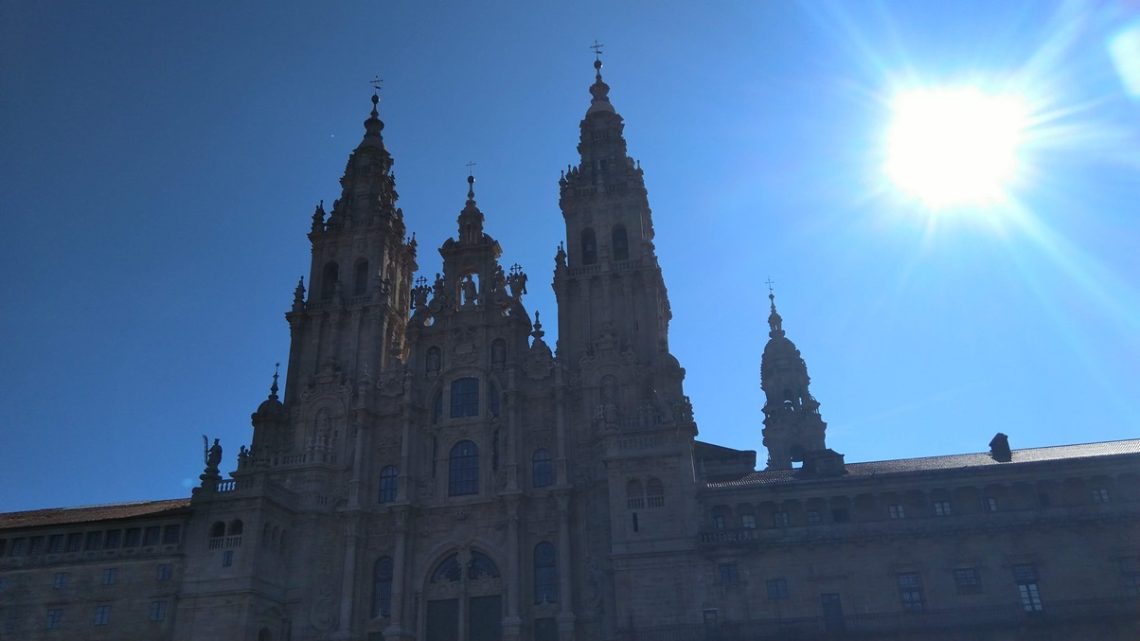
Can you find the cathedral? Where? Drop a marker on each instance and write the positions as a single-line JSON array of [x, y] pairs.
[[435, 467]]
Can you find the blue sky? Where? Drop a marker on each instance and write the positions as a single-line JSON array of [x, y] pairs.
[[159, 163]]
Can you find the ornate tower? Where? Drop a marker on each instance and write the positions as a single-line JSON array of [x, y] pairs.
[[793, 427], [612, 301], [351, 325]]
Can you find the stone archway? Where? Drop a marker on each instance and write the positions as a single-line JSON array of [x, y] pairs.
[[464, 598]]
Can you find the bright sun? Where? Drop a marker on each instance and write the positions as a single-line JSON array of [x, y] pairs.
[[954, 147]]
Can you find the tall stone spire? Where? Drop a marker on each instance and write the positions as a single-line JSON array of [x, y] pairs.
[[793, 427]]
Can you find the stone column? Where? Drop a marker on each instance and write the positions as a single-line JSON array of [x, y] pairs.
[[512, 453], [348, 580], [565, 589], [561, 470], [400, 580], [512, 623]]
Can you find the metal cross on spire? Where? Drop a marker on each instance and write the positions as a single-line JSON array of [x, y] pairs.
[[470, 167], [376, 82], [769, 283], [597, 47]]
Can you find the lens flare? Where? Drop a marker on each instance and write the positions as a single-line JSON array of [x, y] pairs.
[[955, 146]]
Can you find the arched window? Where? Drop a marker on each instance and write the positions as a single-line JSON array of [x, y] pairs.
[[634, 495], [382, 587], [433, 361], [463, 469], [218, 529], [654, 493], [620, 243], [447, 571], [329, 277], [498, 353], [360, 277], [389, 478], [481, 567], [541, 468], [545, 573], [464, 397], [235, 527], [589, 247]]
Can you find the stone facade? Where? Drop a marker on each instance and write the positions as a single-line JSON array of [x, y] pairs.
[[435, 471]]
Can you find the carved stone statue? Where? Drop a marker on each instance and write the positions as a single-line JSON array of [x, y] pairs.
[[214, 455], [469, 294]]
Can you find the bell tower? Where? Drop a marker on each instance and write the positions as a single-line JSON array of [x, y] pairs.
[[350, 326], [793, 427], [607, 279]]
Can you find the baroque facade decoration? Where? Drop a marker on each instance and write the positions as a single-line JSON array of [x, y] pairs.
[[434, 471]]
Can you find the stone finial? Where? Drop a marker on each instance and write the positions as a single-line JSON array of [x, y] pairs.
[[999, 448], [775, 321], [273, 388]]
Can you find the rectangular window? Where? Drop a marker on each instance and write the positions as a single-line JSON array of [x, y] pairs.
[[59, 580], [464, 397], [227, 558], [162, 572], [102, 615], [19, 547], [910, 591], [896, 511], [748, 521], [132, 537], [110, 575], [113, 539], [74, 541], [1100, 495], [967, 581], [157, 610], [991, 504], [94, 541], [1025, 576], [55, 544], [718, 521], [942, 508], [777, 589], [813, 517], [727, 572], [833, 620], [54, 616], [36, 545], [151, 535], [171, 534], [780, 519]]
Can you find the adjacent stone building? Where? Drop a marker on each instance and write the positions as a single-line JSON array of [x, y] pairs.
[[434, 471]]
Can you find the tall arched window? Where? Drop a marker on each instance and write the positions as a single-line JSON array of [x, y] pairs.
[[541, 468], [463, 469], [464, 397], [329, 277], [634, 495], [448, 570], [218, 529], [620, 243], [589, 247], [360, 277], [654, 493], [389, 479], [545, 573], [382, 587], [235, 527], [481, 567]]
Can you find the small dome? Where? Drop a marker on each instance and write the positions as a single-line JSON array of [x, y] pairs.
[[270, 409]]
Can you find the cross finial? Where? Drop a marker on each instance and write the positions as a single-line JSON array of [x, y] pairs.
[[597, 47], [769, 283], [376, 83], [471, 167], [273, 388]]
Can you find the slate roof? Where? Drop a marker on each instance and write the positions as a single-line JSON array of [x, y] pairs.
[[89, 513], [947, 462]]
